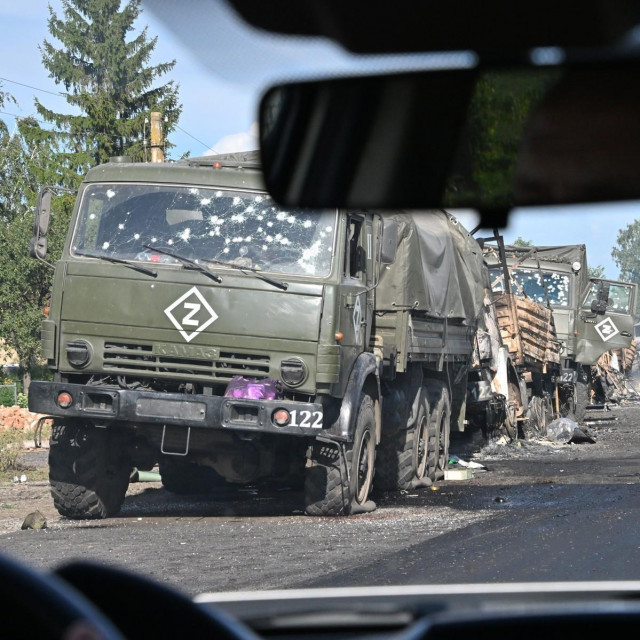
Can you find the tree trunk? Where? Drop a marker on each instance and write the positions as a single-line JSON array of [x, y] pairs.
[[26, 378]]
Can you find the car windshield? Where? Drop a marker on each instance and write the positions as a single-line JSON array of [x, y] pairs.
[[326, 398], [243, 228], [529, 283]]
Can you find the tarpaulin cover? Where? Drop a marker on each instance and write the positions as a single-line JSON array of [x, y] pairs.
[[438, 268]]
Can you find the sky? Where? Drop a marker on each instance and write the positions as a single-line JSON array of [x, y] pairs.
[[223, 67]]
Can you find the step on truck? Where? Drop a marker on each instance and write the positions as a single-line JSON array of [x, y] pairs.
[[196, 325], [591, 316]]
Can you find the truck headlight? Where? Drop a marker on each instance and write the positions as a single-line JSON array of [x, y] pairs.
[[78, 353], [293, 372]]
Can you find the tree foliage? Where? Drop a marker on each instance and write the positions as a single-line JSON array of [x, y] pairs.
[[626, 254], [110, 88], [25, 166], [109, 81], [521, 242], [596, 272]]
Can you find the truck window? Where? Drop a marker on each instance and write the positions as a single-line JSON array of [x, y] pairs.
[[244, 228], [530, 283], [619, 297]]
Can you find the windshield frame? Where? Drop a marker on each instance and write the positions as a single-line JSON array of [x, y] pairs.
[[74, 252]]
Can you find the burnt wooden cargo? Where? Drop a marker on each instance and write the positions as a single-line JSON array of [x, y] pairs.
[[527, 330]]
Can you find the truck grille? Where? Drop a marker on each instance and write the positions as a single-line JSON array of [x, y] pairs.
[[139, 359]]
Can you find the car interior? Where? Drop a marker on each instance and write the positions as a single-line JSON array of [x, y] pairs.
[[393, 141]]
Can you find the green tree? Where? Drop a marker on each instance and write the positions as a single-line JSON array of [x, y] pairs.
[[109, 83], [626, 254], [521, 242], [26, 164], [596, 272]]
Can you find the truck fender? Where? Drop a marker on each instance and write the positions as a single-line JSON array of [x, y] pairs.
[[364, 377]]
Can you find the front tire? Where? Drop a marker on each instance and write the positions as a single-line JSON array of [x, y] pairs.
[[328, 491], [88, 475]]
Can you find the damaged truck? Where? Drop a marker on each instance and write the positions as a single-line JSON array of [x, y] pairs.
[[591, 316], [196, 325]]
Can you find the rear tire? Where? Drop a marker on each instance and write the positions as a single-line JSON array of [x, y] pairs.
[[440, 403], [582, 400], [88, 476], [403, 455], [326, 488]]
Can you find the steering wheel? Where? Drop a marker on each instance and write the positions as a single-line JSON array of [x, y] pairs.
[[160, 611], [48, 607]]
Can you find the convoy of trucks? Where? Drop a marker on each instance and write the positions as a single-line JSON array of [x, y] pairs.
[[196, 325], [591, 316]]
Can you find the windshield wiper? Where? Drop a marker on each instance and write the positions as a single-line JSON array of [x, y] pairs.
[[128, 263], [256, 272], [187, 262]]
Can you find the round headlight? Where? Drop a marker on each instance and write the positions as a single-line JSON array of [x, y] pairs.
[[78, 353], [576, 266], [293, 372]]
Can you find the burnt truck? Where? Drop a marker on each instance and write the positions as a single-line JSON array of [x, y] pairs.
[[196, 325], [591, 316]]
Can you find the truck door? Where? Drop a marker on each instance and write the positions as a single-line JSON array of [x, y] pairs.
[[606, 319], [354, 309]]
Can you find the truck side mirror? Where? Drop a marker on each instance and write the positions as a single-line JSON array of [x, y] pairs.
[[389, 242], [38, 248], [600, 304], [43, 213]]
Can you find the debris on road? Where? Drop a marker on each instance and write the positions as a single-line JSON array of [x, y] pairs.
[[567, 431]]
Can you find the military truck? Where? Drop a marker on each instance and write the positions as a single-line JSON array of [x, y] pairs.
[[196, 325], [591, 316]]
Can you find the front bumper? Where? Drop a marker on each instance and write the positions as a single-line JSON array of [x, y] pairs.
[[104, 406]]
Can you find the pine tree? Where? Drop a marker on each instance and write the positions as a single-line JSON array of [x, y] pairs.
[[109, 84]]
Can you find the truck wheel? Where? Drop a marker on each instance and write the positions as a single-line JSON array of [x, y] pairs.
[[87, 478], [582, 400], [183, 477], [440, 404], [326, 488], [575, 404], [402, 456]]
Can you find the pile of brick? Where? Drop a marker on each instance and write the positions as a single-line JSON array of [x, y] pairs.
[[17, 418]]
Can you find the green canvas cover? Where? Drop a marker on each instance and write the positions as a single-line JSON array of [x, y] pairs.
[[438, 268]]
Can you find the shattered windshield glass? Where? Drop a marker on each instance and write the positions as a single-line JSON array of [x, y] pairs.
[[243, 228], [619, 297], [529, 283]]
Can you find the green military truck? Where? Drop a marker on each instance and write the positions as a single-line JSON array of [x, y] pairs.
[[591, 316], [196, 325]]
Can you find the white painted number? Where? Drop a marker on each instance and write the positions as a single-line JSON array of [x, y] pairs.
[[305, 419]]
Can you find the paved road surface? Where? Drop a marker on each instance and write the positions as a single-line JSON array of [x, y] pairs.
[[540, 512]]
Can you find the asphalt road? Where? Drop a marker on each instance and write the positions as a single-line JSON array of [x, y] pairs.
[[540, 512]]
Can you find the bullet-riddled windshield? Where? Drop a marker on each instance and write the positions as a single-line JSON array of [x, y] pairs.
[[244, 228], [529, 282]]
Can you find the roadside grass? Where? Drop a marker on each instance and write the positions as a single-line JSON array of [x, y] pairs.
[[11, 445], [11, 461]]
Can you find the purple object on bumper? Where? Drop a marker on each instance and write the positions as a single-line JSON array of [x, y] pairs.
[[253, 389]]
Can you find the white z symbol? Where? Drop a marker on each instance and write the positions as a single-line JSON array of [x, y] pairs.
[[195, 307]]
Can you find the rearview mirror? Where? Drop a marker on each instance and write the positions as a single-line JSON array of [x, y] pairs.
[[602, 300], [38, 248], [487, 139], [43, 213]]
